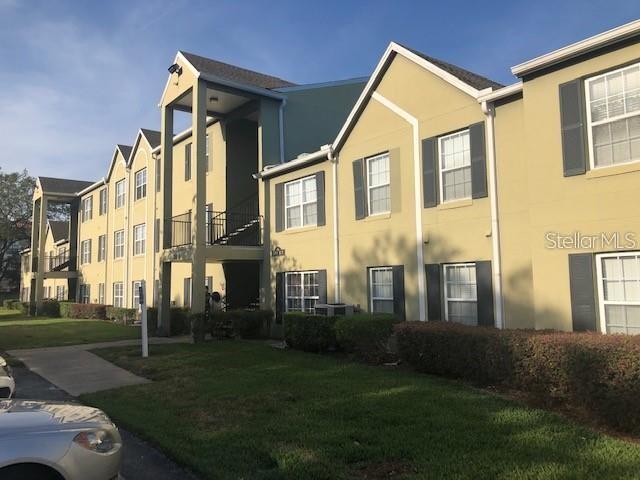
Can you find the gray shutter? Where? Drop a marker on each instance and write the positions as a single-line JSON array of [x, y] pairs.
[[279, 207], [484, 293], [322, 286], [156, 236], [430, 171], [320, 201], [280, 296], [583, 294], [359, 189], [478, 161], [186, 287], [573, 128], [398, 291], [434, 294]]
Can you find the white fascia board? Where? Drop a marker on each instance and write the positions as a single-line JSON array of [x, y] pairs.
[[501, 93], [583, 46], [91, 187], [293, 164], [178, 137]]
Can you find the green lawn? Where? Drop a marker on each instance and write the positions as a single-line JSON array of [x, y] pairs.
[[20, 331], [232, 410]]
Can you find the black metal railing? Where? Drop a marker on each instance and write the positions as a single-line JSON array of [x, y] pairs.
[[181, 229], [229, 228], [58, 263]]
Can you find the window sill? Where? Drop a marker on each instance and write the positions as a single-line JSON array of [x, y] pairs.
[[614, 170], [465, 202], [377, 216], [292, 231]]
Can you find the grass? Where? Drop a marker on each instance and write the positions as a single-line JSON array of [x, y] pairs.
[[232, 410], [20, 331]]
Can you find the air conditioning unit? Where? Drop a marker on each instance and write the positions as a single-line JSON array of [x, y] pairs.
[[333, 309]]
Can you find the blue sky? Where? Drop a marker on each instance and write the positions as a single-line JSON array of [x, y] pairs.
[[78, 77]]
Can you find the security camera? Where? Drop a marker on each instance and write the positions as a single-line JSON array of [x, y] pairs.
[[175, 68]]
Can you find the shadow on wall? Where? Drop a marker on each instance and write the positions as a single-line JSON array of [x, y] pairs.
[[282, 263]]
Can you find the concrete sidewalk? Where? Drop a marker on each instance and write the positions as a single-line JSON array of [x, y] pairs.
[[76, 370]]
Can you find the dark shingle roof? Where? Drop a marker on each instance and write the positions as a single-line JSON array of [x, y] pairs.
[[62, 185], [59, 230], [152, 136], [472, 79], [235, 74], [126, 150]]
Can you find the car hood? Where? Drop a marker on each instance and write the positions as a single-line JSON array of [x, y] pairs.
[[31, 415]]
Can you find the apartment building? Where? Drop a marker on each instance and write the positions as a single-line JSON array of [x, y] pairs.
[[425, 190]]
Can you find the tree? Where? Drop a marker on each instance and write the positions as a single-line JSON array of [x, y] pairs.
[[16, 195]]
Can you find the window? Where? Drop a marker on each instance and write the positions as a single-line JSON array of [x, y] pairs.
[[60, 293], [378, 184], [206, 153], [158, 174], [120, 193], [139, 238], [85, 293], [118, 244], [381, 294], [302, 291], [136, 293], [460, 293], [103, 202], [141, 184], [619, 292], [101, 293], [187, 162], [87, 208], [102, 248], [300, 203], [85, 252], [118, 295], [186, 293], [455, 166], [613, 115]]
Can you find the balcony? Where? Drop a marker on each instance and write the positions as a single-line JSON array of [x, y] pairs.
[[222, 228]]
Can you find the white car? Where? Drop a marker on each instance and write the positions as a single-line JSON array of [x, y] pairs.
[[7, 383], [57, 441]]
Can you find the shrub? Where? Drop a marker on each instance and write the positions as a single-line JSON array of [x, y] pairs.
[[50, 308], [26, 308], [65, 309], [311, 333], [180, 321], [152, 321], [92, 311], [245, 323], [368, 336], [596, 374], [124, 316], [8, 303]]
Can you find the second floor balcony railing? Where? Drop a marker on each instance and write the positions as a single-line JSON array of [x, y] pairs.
[[222, 228], [180, 229], [58, 263]]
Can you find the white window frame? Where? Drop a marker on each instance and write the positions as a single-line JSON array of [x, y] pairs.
[[371, 187], [121, 192], [302, 203], [101, 293], [104, 201], [85, 293], [118, 294], [442, 170], [601, 301], [135, 293], [371, 297], [102, 248], [85, 251], [87, 208], [118, 246], [302, 298], [140, 184], [139, 244], [590, 124], [60, 293], [448, 299]]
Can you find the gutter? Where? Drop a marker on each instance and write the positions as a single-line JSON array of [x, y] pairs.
[[503, 92], [299, 162], [489, 112]]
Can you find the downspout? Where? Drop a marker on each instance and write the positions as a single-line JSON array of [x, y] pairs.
[[281, 128], [417, 186], [336, 244], [489, 112]]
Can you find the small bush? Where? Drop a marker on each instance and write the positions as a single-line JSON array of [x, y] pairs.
[[246, 323], [180, 321], [65, 309], [311, 333], [123, 316], [50, 308], [368, 336], [593, 373], [152, 321], [8, 303], [91, 311]]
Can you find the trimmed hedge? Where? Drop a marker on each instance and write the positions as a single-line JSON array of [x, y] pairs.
[[246, 323], [152, 321], [180, 321], [11, 303], [65, 309], [596, 374], [366, 335], [50, 308], [91, 311], [311, 333], [124, 316]]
